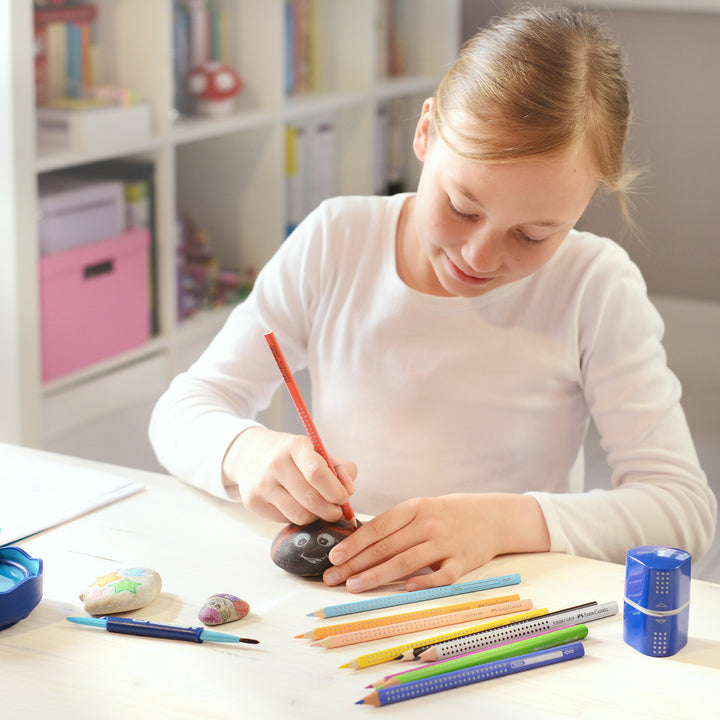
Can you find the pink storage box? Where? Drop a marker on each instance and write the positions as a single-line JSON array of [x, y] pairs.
[[95, 302]]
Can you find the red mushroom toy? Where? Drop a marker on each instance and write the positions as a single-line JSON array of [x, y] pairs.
[[213, 86]]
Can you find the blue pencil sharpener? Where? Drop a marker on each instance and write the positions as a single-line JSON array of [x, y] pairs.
[[657, 599], [21, 585]]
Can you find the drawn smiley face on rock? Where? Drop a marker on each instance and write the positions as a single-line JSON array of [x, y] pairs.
[[303, 549]]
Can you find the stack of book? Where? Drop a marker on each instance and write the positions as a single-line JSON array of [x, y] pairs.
[[64, 50], [74, 111], [302, 72]]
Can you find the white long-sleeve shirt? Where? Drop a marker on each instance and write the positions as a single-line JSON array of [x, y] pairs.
[[434, 395]]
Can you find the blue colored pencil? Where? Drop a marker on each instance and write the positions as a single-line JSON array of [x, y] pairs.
[[416, 596], [417, 688]]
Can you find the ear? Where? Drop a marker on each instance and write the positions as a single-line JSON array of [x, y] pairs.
[[421, 140]]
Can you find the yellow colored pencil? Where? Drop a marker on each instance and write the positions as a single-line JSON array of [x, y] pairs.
[[356, 625], [394, 653], [426, 623]]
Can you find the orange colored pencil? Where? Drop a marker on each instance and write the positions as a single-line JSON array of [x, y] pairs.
[[354, 626], [304, 414], [376, 633]]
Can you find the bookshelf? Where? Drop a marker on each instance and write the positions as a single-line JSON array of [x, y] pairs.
[[227, 173]]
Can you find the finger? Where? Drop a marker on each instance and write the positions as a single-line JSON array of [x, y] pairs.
[[317, 473], [291, 509], [286, 489], [374, 532], [346, 472], [393, 554], [446, 574], [396, 567], [303, 505]]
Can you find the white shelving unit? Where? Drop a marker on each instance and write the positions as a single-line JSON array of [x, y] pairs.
[[228, 174]]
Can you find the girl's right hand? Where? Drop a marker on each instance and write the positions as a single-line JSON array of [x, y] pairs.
[[281, 477]]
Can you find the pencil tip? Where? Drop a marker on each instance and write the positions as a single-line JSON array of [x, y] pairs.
[[299, 636], [343, 666], [360, 702]]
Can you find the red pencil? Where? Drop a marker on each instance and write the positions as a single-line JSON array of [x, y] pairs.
[[304, 414]]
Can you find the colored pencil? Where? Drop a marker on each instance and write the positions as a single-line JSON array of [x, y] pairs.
[[524, 629], [395, 653], [415, 596], [427, 623], [354, 626], [413, 653], [447, 681], [304, 414], [521, 647]]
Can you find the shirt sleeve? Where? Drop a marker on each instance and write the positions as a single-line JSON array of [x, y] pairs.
[[204, 409], [659, 494]]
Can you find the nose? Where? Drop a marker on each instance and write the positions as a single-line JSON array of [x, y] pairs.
[[482, 250]]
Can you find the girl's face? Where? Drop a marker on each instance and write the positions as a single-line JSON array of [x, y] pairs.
[[476, 226]]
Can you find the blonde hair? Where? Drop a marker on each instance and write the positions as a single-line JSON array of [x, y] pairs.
[[536, 83]]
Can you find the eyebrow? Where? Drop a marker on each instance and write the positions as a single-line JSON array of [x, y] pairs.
[[535, 223]]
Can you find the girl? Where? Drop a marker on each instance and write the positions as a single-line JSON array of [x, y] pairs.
[[460, 339]]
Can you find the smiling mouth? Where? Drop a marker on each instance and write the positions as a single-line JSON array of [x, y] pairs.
[[464, 277]]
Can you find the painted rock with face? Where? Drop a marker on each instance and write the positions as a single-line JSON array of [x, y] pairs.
[[223, 608], [304, 549]]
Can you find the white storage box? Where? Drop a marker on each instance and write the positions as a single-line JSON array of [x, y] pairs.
[[93, 128], [74, 212]]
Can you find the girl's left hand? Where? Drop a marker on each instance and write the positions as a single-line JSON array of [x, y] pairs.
[[451, 535]]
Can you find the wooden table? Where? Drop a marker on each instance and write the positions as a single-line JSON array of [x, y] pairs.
[[200, 545]]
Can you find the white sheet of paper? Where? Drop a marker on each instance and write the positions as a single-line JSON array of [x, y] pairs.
[[37, 493]]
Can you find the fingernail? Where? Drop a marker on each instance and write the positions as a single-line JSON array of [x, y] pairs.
[[332, 577], [354, 584], [336, 557]]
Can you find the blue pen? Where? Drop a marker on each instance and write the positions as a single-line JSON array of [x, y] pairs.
[[130, 626]]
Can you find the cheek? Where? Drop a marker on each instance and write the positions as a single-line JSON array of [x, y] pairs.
[[528, 259], [443, 231]]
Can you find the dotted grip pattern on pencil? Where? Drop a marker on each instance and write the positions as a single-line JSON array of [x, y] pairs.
[[509, 633], [394, 653]]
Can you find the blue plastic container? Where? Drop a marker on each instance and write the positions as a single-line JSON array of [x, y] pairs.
[[20, 585], [657, 599]]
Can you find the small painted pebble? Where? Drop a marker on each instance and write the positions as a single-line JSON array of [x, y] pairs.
[[122, 590], [223, 608]]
